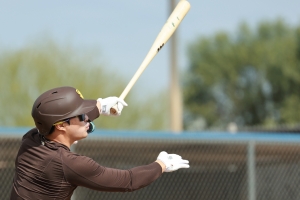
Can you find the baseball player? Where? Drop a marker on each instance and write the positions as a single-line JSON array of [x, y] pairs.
[[45, 168]]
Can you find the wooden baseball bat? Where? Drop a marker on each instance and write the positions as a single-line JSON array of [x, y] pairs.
[[164, 35]]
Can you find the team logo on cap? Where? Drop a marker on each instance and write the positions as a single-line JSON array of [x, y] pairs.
[[79, 93]]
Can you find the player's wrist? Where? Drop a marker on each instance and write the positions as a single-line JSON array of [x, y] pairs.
[[163, 166]]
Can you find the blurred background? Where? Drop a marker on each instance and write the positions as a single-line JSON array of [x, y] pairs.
[[237, 61], [237, 67]]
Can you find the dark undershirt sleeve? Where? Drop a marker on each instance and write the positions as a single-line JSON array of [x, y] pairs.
[[144, 175], [85, 172]]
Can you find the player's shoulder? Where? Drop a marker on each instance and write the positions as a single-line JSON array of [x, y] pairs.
[[71, 158], [30, 133]]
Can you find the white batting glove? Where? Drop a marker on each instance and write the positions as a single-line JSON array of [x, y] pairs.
[[173, 162], [109, 102]]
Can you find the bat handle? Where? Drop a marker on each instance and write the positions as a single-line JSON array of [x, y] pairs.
[[114, 109]]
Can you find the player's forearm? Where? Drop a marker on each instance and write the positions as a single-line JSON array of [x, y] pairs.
[[144, 175]]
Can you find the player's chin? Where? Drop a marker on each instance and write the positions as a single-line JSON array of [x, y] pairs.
[[85, 134]]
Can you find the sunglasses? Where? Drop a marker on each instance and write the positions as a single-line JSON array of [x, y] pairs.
[[81, 118]]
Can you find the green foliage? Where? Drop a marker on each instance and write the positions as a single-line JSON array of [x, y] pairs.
[[28, 72], [250, 78]]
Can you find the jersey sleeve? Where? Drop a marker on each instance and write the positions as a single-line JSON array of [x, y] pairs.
[[84, 171]]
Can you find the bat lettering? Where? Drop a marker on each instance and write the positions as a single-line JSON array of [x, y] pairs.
[[160, 47]]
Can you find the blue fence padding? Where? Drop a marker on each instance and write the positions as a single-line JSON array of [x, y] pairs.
[[201, 135]]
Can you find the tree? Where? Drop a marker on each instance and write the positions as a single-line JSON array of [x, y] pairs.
[[31, 70], [250, 78]]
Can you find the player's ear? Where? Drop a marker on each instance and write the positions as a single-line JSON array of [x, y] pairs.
[[60, 127]]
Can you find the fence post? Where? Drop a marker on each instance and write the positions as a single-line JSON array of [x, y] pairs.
[[251, 170]]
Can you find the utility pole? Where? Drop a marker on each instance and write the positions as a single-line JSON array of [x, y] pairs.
[[175, 92]]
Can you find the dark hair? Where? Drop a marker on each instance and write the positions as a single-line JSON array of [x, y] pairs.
[[51, 130]]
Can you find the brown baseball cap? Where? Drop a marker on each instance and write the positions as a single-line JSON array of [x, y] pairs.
[[58, 104]]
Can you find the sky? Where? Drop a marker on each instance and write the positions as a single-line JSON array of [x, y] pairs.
[[123, 31]]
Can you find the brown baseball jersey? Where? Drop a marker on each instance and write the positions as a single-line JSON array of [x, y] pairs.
[[49, 170]]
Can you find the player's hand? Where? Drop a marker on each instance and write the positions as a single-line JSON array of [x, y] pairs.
[[108, 103], [172, 162]]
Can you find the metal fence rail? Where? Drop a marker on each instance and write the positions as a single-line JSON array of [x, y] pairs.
[[223, 166]]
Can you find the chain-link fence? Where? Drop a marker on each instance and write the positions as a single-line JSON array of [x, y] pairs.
[[223, 166], [280, 128]]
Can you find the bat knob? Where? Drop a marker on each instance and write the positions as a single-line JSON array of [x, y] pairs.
[[114, 110]]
